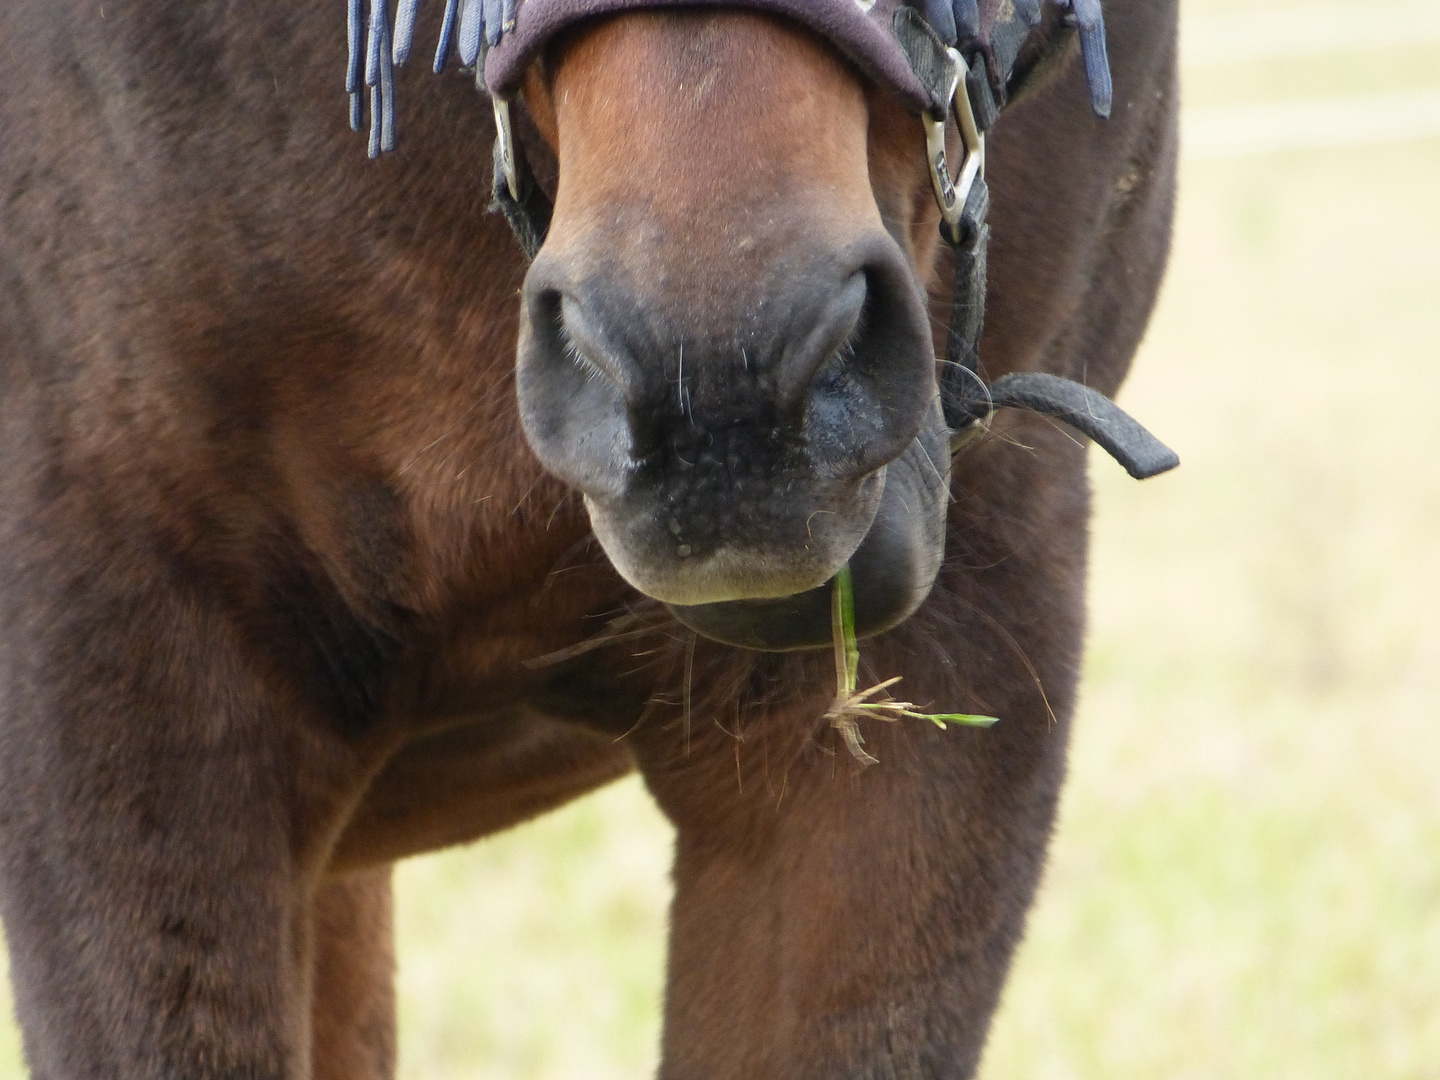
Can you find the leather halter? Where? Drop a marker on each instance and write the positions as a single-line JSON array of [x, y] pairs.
[[944, 58]]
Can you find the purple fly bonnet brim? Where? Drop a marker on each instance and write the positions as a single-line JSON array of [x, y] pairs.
[[864, 34]]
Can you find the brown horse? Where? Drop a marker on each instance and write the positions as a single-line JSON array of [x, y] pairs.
[[287, 596]]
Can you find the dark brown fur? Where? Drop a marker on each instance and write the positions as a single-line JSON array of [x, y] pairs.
[[278, 564]]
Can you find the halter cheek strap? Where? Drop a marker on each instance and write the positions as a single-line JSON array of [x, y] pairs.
[[943, 58]]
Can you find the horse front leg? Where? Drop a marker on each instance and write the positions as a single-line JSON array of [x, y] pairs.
[[167, 797], [864, 930], [833, 921], [353, 1028]]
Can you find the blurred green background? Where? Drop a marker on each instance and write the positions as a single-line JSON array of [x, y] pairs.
[[1246, 878]]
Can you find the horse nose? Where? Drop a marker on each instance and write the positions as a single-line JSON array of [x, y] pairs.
[[830, 364]]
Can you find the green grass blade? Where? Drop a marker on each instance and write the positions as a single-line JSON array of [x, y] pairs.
[[969, 719], [844, 608], [847, 702], [844, 681]]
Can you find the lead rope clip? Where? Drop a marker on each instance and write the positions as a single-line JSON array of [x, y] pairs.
[[952, 195]]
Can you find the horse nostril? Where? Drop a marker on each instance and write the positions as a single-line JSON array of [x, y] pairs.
[[586, 349], [572, 391], [816, 350], [867, 393]]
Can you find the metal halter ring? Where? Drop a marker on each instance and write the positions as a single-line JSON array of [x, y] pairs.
[[505, 141], [952, 194]]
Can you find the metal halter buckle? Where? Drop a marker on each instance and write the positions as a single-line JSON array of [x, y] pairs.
[[952, 194], [505, 139]]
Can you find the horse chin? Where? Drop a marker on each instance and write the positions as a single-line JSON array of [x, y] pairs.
[[892, 569]]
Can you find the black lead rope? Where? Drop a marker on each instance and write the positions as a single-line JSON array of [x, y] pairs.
[[1117, 432]]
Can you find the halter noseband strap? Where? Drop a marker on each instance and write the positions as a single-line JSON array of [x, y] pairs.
[[947, 57]]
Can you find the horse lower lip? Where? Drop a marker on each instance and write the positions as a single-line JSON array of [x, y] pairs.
[[884, 597], [791, 623]]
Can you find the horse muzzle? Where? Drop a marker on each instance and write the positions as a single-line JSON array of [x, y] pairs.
[[732, 467]]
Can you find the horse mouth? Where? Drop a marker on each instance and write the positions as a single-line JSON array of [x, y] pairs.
[[892, 569], [883, 600]]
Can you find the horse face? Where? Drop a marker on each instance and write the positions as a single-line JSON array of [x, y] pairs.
[[723, 346]]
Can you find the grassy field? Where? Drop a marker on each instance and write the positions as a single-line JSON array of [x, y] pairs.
[[1245, 883]]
